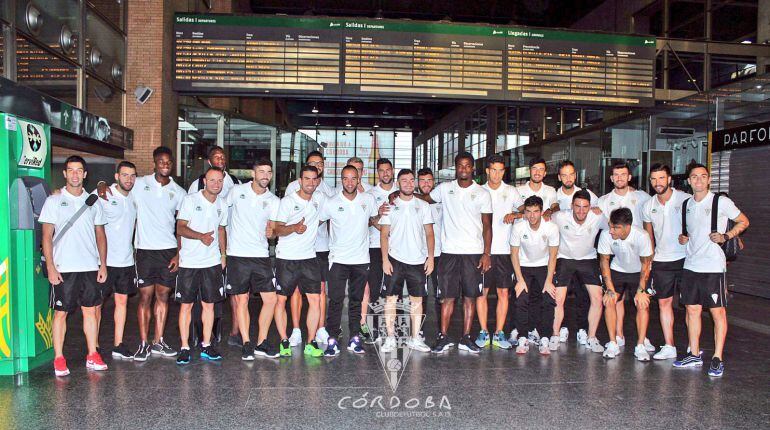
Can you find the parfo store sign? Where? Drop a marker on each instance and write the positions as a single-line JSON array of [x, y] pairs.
[[34, 145], [748, 136]]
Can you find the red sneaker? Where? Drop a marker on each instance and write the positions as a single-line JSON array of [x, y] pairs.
[[94, 362], [60, 367]]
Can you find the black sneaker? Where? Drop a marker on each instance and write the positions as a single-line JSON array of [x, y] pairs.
[[247, 352], [143, 353], [717, 368], [121, 351], [235, 340], [183, 357], [210, 353], [466, 344], [266, 350], [365, 334], [442, 344]]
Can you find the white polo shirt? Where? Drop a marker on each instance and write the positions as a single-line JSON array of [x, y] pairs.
[[227, 185], [505, 199], [461, 228], [249, 214], [565, 200], [633, 200], [322, 238], [201, 216], [291, 210], [627, 251], [76, 251], [546, 192], [349, 227], [666, 223], [120, 215], [407, 240], [703, 255], [437, 211], [534, 245], [156, 208], [380, 196], [576, 241]]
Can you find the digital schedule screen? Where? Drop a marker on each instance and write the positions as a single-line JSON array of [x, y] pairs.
[[401, 59]]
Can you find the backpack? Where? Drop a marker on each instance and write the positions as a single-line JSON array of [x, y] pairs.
[[733, 246]]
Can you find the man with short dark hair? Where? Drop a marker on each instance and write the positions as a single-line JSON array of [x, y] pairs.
[[627, 275], [426, 183], [705, 265], [536, 187], [76, 263]]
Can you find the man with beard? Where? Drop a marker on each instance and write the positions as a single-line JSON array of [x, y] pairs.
[[249, 269], [623, 196], [426, 182], [662, 216], [120, 213], [536, 187], [203, 240]]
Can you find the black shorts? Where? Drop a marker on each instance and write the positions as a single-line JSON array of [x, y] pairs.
[[375, 278], [586, 272], [500, 275], [152, 267], [626, 283], [433, 278], [412, 274], [249, 274], [666, 277], [458, 275], [120, 280], [76, 289], [323, 263], [290, 273], [205, 284], [706, 289]]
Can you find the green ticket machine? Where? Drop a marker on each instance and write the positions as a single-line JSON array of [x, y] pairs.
[[25, 318]]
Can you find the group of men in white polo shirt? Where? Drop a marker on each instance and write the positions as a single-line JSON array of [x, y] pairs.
[[530, 244]]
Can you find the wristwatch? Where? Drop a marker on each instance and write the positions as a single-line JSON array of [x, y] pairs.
[[725, 237]]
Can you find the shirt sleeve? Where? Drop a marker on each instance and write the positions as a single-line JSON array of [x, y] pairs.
[[728, 208], [486, 202], [385, 220], [375, 207], [323, 209], [427, 217], [275, 203], [435, 195], [645, 250], [186, 209], [224, 216], [646, 212], [515, 240], [553, 238], [48, 213], [517, 200], [180, 199], [281, 212], [594, 199], [604, 247], [99, 217]]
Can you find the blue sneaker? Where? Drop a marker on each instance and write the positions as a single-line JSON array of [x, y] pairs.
[[354, 345], [483, 340], [689, 360], [499, 341], [183, 357], [717, 368], [332, 349], [211, 354]]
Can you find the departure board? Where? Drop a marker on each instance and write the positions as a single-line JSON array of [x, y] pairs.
[[410, 60]]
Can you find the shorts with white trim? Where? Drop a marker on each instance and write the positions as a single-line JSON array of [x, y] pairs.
[[292, 273], [666, 277], [152, 267], [459, 275], [412, 274], [120, 280], [249, 274], [76, 289], [586, 272], [706, 289], [627, 283], [201, 284], [500, 275]]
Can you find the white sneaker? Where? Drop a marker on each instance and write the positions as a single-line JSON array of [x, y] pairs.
[[554, 343], [321, 336], [523, 346], [563, 334], [666, 352], [513, 338], [594, 345], [389, 345], [544, 346], [296, 337], [417, 344], [533, 336], [612, 350], [582, 337], [641, 354], [621, 341], [648, 345]]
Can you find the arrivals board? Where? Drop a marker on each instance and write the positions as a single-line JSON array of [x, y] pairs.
[[411, 60]]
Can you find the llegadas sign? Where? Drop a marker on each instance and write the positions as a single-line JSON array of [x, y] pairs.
[[748, 136]]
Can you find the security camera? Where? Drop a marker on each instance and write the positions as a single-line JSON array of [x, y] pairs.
[[142, 94]]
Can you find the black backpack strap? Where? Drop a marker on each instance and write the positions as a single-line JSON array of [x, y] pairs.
[[714, 210], [200, 182], [684, 217], [236, 181]]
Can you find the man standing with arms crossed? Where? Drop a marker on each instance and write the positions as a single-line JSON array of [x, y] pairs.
[[249, 269], [662, 216], [703, 278], [409, 227], [76, 264]]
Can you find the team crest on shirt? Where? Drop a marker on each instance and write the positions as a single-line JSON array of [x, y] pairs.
[[612, 203], [451, 191], [544, 237], [395, 208], [654, 211], [219, 212], [114, 202], [707, 210], [340, 209], [64, 204], [525, 237], [147, 188], [171, 196], [633, 201], [473, 196], [198, 208], [242, 196], [363, 206], [264, 205], [296, 208], [566, 227], [315, 205]]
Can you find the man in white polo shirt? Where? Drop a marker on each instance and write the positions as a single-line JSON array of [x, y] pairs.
[[505, 199], [426, 182], [536, 187], [203, 241], [407, 245], [627, 276], [296, 224], [216, 158], [662, 216], [249, 269], [76, 264], [534, 245], [350, 213], [703, 278], [577, 262], [120, 214]]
